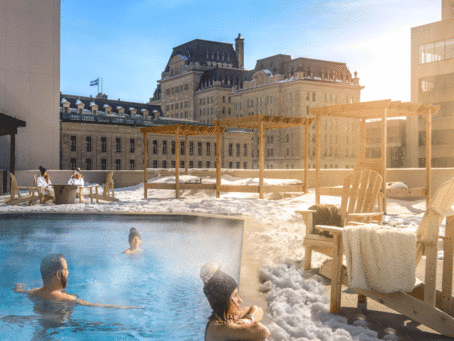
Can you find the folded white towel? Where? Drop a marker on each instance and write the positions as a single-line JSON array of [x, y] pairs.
[[380, 258]]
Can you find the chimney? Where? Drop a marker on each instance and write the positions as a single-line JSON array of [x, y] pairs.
[[447, 9], [239, 49]]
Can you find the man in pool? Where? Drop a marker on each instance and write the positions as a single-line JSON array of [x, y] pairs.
[[54, 272], [134, 242]]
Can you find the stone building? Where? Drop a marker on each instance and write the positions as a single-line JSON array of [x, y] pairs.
[[98, 133], [432, 82], [206, 81]]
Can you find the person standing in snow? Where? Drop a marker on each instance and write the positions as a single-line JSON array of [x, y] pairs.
[[229, 321], [78, 180], [44, 182]]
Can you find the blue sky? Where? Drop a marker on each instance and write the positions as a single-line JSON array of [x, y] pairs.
[[128, 42]]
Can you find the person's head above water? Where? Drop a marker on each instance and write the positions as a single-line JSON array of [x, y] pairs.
[[134, 238], [54, 268], [218, 288]]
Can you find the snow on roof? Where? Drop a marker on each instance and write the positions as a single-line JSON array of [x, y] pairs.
[[131, 108], [63, 100], [79, 102], [106, 106], [184, 57], [92, 104], [120, 107], [143, 110], [268, 72]]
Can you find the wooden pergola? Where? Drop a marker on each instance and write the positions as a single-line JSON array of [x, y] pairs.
[[8, 126], [178, 130], [263, 123], [383, 110]]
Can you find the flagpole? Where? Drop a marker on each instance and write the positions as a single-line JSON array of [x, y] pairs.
[[98, 87], [102, 85]]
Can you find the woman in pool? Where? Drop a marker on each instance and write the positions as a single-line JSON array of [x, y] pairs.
[[228, 321], [134, 242]]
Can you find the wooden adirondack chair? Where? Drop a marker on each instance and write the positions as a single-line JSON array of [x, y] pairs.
[[425, 304], [108, 192], [15, 196], [359, 196]]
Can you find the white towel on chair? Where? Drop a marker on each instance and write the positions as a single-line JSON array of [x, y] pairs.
[[380, 258]]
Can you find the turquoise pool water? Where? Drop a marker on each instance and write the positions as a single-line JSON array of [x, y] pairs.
[[163, 279]]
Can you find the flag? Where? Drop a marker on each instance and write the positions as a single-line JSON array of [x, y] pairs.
[[95, 82]]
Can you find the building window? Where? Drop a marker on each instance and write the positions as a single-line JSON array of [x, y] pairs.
[[181, 164], [103, 144], [131, 165], [73, 143], [88, 164], [182, 148], [237, 149], [313, 97], [164, 164], [155, 146], [199, 148], [230, 165], [191, 148], [118, 164], [103, 164], [230, 149], [173, 164], [208, 164], [155, 163], [191, 164], [237, 165], [88, 139], [164, 147], [118, 145], [73, 163], [244, 149], [208, 149], [422, 138], [132, 146], [199, 164], [244, 165], [173, 147]]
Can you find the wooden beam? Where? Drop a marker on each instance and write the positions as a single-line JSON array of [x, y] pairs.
[[145, 163], [186, 156], [177, 166], [261, 158], [363, 139], [384, 136], [12, 154], [306, 157], [428, 156], [317, 158], [218, 162]]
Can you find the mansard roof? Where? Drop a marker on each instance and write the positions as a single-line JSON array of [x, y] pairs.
[[228, 77], [202, 51], [102, 102], [317, 66]]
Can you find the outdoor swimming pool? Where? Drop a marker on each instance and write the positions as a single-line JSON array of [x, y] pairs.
[[163, 279]]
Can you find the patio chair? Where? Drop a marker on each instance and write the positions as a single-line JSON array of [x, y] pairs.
[[108, 192], [16, 198], [424, 304], [359, 196]]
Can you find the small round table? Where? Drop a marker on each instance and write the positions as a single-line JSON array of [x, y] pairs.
[[65, 194]]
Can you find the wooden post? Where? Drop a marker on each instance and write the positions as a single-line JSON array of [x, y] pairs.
[[145, 163], [186, 156], [12, 154], [428, 155], [177, 165], [261, 158], [363, 138], [336, 278], [317, 158], [446, 286], [306, 156], [384, 136], [218, 161]]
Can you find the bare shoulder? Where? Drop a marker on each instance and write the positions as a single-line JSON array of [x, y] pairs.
[[237, 331]]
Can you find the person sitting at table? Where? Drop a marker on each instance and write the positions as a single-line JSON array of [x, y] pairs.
[[78, 180], [45, 184], [134, 242]]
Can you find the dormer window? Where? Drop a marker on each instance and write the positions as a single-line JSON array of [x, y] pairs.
[[107, 109], [132, 112], [120, 110], [80, 106], [144, 113]]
